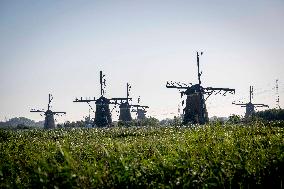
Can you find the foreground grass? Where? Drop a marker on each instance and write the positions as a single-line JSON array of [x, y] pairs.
[[232, 156]]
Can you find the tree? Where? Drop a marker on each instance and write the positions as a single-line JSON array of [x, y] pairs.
[[271, 114], [234, 119]]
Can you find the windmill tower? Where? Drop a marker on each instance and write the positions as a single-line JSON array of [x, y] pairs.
[[195, 110], [49, 122], [102, 114], [250, 107], [124, 107]]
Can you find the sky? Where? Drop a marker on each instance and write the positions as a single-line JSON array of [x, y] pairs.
[[59, 47]]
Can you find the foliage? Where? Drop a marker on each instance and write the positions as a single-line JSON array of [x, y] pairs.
[[72, 124], [234, 119], [271, 114], [176, 121], [20, 121], [22, 126], [217, 120], [210, 156], [151, 121]]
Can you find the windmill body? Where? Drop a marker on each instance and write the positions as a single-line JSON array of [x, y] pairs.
[[249, 109], [124, 114], [195, 108], [49, 122], [102, 115], [141, 114]]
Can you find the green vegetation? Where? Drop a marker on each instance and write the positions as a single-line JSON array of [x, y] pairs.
[[212, 156], [270, 115], [20, 123], [147, 121]]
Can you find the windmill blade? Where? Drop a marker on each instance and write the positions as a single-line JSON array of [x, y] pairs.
[[261, 105], [91, 107], [59, 112], [243, 105], [224, 94], [37, 111]]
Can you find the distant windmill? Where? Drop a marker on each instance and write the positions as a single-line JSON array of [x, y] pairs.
[[139, 110], [49, 122], [250, 107], [195, 109], [103, 113]]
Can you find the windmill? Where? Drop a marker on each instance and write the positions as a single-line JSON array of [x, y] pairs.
[[195, 109], [49, 122], [250, 107], [124, 107], [140, 110], [102, 113]]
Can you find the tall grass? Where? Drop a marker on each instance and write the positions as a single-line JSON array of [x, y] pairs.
[[212, 156]]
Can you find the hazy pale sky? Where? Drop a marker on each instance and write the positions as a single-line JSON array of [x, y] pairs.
[[60, 46]]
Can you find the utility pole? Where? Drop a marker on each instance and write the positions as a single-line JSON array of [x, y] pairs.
[[277, 95]]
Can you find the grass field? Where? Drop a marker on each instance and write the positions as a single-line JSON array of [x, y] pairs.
[[212, 156]]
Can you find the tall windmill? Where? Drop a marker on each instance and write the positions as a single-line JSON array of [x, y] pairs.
[[102, 113], [195, 109], [49, 122], [250, 107]]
